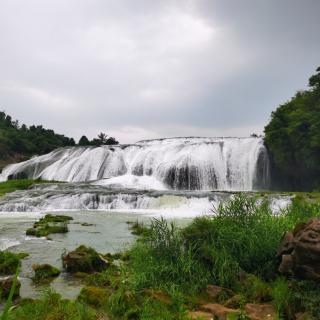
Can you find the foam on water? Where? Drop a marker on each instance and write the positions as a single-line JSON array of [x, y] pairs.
[[6, 243], [73, 196]]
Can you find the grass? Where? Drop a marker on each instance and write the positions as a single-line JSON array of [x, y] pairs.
[[235, 248], [48, 225], [164, 274], [53, 307], [23, 184], [9, 262], [5, 314]]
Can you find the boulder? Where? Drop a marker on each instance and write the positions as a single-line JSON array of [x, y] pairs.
[[234, 302], [219, 311], [84, 259], [260, 311], [5, 287], [196, 315], [299, 251], [217, 293], [44, 272]]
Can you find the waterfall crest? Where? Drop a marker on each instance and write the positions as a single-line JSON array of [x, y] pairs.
[[235, 164]]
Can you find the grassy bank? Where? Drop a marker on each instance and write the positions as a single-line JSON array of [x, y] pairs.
[[13, 185], [165, 274]]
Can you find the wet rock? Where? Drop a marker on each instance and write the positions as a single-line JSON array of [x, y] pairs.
[[5, 287], [300, 251], [260, 311], [84, 259], [219, 311]]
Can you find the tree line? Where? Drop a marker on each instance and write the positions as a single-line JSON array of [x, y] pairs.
[[293, 140], [22, 141]]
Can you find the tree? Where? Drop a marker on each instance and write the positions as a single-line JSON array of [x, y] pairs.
[[112, 141], [314, 80], [84, 141], [102, 137], [293, 139]]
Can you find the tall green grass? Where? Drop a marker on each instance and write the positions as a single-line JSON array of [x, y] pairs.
[[241, 237], [5, 314]]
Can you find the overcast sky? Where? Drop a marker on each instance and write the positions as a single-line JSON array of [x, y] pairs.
[[140, 69]]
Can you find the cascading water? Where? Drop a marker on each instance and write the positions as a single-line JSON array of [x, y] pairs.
[[176, 163], [86, 196]]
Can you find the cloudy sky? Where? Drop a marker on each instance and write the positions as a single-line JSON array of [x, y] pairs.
[[140, 69]]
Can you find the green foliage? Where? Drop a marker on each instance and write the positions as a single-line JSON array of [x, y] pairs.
[[13, 185], [124, 304], [161, 260], [138, 228], [293, 139], [305, 295], [16, 139], [44, 272], [48, 225], [94, 296], [242, 237], [282, 297], [19, 142], [52, 307], [9, 262], [101, 140], [255, 289], [5, 314]]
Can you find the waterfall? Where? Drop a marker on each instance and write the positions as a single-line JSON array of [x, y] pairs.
[[234, 164], [88, 196]]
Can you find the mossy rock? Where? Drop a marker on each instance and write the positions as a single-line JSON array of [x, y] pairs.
[[94, 296], [23, 255], [44, 272], [9, 262], [49, 218], [48, 225], [5, 287], [84, 259]]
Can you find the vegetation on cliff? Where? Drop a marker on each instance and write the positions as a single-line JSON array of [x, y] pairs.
[[293, 139], [22, 141], [19, 142]]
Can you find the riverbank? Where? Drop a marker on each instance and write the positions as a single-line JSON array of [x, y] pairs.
[[224, 264]]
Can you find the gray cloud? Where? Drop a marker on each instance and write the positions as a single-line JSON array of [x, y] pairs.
[[144, 69]]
